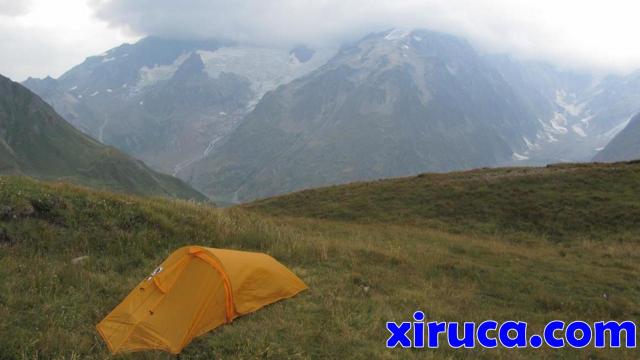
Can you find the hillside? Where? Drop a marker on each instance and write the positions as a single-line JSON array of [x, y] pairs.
[[36, 141], [360, 275], [559, 202], [625, 146]]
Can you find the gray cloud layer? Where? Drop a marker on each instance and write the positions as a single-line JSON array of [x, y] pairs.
[[257, 21], [591, 34]]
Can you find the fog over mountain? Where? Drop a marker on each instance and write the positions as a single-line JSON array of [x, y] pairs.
[[561, 32], [42, 37]]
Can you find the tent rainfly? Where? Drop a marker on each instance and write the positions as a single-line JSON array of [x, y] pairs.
[[195, 290]]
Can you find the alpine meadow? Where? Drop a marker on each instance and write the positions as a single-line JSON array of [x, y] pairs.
[[362, 267]]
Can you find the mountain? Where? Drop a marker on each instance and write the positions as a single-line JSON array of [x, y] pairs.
[[167, 101], [36, 141], [625, 146], [578, 113], [240, 122], [395, 103], [541, 243]]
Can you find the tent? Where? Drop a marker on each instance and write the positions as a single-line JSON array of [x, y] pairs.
[[195, 290]]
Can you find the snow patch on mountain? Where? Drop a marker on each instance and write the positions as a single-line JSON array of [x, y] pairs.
[[557, 124], [587, 120], [149, 76], [293, 60], [616, 129], [397, 34], [578, 130], [518, 157], [209, 148], [530, 144], [265, 68], [570, 107], [184, 164]]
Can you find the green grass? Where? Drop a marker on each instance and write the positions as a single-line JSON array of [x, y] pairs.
[[362, 272], [558, 203]]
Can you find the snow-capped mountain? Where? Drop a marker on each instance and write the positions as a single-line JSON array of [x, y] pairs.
[[395, 103], [578, 113], [167, 101], [241, 121]]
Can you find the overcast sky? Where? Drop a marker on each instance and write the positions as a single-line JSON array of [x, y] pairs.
[[45, 37]]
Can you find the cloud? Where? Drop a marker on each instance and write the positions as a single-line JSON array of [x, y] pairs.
[[591, 34], [49, 37], [14, 7], [44, 37]]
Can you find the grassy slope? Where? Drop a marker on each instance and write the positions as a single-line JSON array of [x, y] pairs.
[[36, 141], [559, 202], [360, 275]]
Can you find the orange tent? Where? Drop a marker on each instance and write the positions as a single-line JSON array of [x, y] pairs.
[[195, 290]]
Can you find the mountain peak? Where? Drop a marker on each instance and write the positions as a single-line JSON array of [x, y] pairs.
[[193, 65], [302, 53]]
